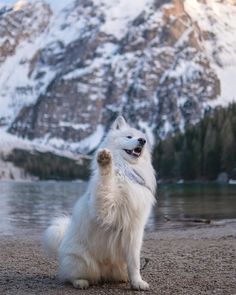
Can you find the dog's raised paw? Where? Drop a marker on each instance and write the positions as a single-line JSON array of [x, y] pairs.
[[81, 284], [140, 285], [104, 157]]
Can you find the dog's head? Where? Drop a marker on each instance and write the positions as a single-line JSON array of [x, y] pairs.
[[127, 142]]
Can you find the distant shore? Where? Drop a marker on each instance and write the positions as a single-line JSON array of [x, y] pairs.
[[193, 261]]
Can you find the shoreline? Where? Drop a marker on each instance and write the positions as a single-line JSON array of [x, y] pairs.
[[184, 261]]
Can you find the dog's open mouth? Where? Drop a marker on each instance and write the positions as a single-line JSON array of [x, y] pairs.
[[135, 152]]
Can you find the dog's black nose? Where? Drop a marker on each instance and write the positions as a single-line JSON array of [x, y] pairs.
[[142, 141]]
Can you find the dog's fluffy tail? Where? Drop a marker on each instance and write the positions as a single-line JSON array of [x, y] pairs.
[[54, 234]]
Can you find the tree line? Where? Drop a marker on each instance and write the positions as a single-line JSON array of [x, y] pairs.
[[202, 151]]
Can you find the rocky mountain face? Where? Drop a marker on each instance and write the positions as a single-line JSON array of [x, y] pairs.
[[67, 71]]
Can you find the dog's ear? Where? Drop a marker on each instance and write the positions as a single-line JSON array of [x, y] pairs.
[[119, 123]]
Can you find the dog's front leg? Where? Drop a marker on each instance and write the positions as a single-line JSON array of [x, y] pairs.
[[104, 201], [104, 160], [133, 261]]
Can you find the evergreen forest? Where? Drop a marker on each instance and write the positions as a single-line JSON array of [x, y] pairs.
[[203, 151]]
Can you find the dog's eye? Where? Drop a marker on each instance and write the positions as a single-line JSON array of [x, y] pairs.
[[129, 136]]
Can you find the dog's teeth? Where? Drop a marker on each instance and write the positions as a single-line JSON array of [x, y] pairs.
[[136, 152]]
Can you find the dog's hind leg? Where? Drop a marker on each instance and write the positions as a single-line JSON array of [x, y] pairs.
[[75, 270], [80, 284]]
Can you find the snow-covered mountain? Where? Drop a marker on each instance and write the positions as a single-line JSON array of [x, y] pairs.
[[67, 68]]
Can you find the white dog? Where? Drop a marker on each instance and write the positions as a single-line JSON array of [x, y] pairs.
[[102, 240]]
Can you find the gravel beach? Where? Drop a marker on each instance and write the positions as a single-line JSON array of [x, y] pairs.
[[192, 262]]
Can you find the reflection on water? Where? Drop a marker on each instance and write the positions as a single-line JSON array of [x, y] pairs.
[[31, 205], [181, 205], [28, 207]]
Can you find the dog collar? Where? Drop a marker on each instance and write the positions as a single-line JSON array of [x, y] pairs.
[[135, 177]]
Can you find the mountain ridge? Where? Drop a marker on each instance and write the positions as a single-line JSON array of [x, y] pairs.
[[91, 60]]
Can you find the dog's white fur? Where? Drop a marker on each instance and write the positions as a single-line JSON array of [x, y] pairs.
[[102, 240]]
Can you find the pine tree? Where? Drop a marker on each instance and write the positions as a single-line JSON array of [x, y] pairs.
[[211, 152], [228, 149]]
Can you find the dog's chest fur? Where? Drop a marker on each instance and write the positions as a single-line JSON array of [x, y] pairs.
[[135, 195]]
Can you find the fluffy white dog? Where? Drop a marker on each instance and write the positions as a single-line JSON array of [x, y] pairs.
[[103, 238]]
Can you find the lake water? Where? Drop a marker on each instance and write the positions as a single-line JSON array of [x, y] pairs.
[[28, 207]]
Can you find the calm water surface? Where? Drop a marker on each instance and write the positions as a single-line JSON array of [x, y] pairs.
[[28, 207]]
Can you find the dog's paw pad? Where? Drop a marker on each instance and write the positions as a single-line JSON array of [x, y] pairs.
[[81, 284], [104, 157], [140, 285]]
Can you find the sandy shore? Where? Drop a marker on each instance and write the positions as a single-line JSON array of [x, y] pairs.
[[193, 261]]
